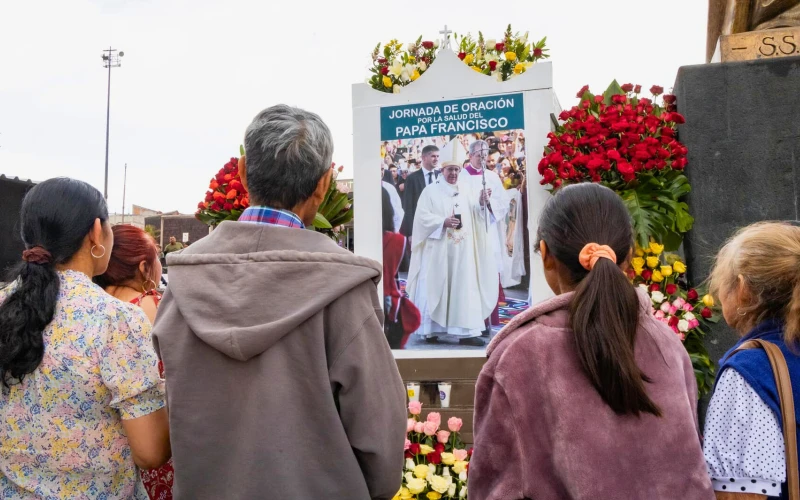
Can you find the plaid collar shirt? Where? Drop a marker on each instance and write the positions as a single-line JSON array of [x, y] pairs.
[[271, 216]]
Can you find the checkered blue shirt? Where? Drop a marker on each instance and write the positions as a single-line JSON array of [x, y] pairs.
[[271, 216]]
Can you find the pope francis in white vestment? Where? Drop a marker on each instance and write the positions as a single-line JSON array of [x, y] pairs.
[[452, 278]]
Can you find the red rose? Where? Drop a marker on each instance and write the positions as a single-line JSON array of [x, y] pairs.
[[631, 274], [582, 91], [678, 118], [706, 313], [627, 87], [692, 295], [439, 448], [414, 448], [469, 452], [462, 55], [427, 45], [566, 171], [679, 164], [381, 61], [548, 176], [594, 164], [637, 89], [614, 155], [500, 47], [557, 183], [201, 205], [227, 206], [671, 289], [670, 99], [655, 287], [434, 458], [673, 321], [647, 274], [598, 99], [385, 70], [667, 132], [618, 99], [555, 158], [537, 52], [626, 170], [492, 65], [656, 90]]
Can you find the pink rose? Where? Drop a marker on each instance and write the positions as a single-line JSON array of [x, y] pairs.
[[694, 324], [665, 320], [665, 307], [430, 428], [410, 425], [436, 418], [407, 446], [659, 314], [419, 427], [454, 424], [679, 302], [415, 407], [673, 310], [460, 455], [688, 307], [443, 436]]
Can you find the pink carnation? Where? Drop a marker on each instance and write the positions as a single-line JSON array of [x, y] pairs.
[[430, 428], [407, 445], [460, 455], [454, 424], [419, 427], [436, 418], [415, 407], [410, 425], [443, 436]]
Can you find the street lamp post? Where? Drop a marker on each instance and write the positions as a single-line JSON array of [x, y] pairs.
[[111, 59]]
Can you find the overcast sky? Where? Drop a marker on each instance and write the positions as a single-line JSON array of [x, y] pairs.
[[196, 72]]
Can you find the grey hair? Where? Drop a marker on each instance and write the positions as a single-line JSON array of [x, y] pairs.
[[288, 151], [476, 146]]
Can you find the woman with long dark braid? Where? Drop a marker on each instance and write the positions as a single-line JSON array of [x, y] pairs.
[[81, 403]]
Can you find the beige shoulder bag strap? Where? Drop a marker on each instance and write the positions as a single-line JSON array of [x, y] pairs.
[[784, 384]]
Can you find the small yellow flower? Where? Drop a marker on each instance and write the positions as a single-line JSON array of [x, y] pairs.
[[477, 68], [425, 449], [657, 276], [414, 75], [469, 59], [652, 262], [708, 301], [655, 248], [411, 59], [421, 471], [448, 458], [387, 82], [432, 495], [459, 467], [415, 486], [519, 68], [666, 271], [679, 267], [511, 56], [638, 251]]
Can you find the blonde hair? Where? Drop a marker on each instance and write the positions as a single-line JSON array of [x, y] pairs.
[[767, 257]]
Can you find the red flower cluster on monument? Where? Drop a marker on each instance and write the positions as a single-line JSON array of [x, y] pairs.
[[611, 137], [226, 197]]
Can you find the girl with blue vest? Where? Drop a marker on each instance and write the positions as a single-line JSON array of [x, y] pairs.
[[757, 279]]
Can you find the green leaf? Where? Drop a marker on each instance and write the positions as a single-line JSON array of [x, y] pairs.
[[612, 90], [320, 222], [241, 150]]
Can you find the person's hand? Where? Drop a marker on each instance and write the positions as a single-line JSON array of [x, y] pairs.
[[451, 223], [486, 196]]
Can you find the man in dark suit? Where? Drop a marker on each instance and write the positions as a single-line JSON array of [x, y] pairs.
[[415, 183]]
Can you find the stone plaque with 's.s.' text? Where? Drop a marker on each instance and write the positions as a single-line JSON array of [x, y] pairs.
[[767, 44]]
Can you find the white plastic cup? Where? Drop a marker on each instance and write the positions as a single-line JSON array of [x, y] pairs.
[[444, 394], [413, 391]]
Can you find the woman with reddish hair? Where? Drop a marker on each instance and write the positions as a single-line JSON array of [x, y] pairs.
[[133, 274], [134, 270]]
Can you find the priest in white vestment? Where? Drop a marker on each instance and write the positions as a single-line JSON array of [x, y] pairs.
[[452, 278]]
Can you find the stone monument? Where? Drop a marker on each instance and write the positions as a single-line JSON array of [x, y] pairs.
[[752, 29]]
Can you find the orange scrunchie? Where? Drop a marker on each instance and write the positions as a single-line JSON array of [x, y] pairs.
[[593, 252]]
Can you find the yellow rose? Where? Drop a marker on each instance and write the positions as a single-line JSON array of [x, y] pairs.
[[387, 82], [404, 493], [425, 449], [511, 56], [638, 264], [666, 271], [448, 458], [414, 75], [655, 248], [657, 276], [415, 486], [459, 467], [421, 471], [708, 301], [440, 484], [652, 262], [638, 251], [432, 495], [469, 58], [519, 68], [679, 267]]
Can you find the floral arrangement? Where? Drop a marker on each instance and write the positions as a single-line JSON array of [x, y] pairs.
[[393, 68], [663, 277], [437, 463], [227, 198], [629, 144]]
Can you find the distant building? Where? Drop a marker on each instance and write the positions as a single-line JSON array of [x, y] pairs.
[[185, 228], [12, 191]]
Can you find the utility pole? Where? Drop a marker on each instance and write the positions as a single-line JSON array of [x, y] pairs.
[[111, 59], [124, 188]]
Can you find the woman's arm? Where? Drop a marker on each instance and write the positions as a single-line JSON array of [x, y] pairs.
[[148, 305], [148, 437]]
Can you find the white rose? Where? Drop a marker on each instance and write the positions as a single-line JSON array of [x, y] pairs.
[[463, 476], [436, 44], [490, 43], [396, 89], [498, 76], [446, 471], [689, 316], [463, 493], [410, 464], [683, 325], [644, 287], [422, 66], [432, 469], [409, 476], [452, 491], [657, 297], [404, 77]]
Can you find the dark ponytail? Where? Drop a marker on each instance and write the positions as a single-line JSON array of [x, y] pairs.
[[56, 216], [604, 314]]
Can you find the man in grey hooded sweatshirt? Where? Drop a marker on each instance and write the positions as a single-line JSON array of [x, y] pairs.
[[280, 382]]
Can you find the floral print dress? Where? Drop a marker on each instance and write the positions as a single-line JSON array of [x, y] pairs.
[[61, 432]]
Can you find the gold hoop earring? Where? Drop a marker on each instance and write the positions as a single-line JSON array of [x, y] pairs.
[[145, 283], [98, 256], [740, 313]]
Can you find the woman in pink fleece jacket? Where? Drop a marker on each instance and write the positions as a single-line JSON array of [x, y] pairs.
[[586, 395]]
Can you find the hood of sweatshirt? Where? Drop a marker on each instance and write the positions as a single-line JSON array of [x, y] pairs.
[[246, 286]]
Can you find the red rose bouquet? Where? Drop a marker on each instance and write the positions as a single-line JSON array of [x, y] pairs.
[[437, 462], [629, 144]]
